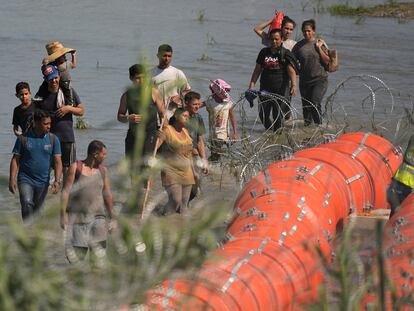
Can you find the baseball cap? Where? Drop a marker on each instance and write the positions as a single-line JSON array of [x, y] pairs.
[[49, 72]]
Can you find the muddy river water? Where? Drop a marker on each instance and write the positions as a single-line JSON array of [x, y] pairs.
[[110, 36]]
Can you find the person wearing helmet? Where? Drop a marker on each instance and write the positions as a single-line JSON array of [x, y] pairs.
[[403, 181]]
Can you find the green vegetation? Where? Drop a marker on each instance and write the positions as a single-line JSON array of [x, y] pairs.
[[81, 123], [204, 58], [345, 276], [402, 11], [136, 260], [317, 6], [201, 16], [210, 39], [346, 10], [357, 277]]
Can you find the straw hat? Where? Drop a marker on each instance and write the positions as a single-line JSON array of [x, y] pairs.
[[55, 49]]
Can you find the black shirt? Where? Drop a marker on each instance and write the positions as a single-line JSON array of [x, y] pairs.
[[274, 77], [22, 117], [61, 127], [135, 106]]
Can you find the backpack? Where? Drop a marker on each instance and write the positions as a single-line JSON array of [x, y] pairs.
[[79, 170], [333, 60], [289, 59], [333, 64]]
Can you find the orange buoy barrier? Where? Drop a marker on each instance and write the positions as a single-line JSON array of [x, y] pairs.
[[293, 224], [255, 274], [190, 295], [297, 262], [355, 174], [379, 175], [398, 247], [336, 190], [390, 155], [284, 218]]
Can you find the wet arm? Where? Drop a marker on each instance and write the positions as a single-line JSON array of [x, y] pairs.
[[122, 110], [201, 147], [184, 88], [255, 75], [67, 187], [233, 122], [292, 75], [107, 195], [58, 173], [323, 53], [259, 29], [14, 168], [16, 130], [160, 141], [77, 110], [74, 60], [156, 98]]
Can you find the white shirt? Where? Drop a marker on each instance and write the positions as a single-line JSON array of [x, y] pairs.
[[218, 117], [289, 44], [169, 81]]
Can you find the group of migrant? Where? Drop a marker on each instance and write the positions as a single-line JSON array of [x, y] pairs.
[[167, 111]]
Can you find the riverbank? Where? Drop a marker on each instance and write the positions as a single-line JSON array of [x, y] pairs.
[[403, 11]]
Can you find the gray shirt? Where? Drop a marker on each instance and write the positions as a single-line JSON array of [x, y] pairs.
[[311, 66], [87, 202], [64, 71]]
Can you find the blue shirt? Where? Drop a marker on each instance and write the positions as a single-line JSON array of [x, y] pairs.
[[35, 157]]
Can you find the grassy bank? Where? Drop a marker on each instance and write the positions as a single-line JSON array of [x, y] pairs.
[[391, 9]]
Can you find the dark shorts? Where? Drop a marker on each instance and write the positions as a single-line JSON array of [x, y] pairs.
[[68, 153], [148, 147]]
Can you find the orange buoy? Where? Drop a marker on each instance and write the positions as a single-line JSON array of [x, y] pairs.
[[305, 273], [391, 156], [355, 174], [181, 294], [379, 175], [398, 247], [297, 190], [336, 189], [247, 277]]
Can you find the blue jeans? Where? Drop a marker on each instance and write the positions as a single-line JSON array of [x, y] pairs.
[[31, 198]]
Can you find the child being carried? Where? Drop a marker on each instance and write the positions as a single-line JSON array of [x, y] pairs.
[[57, 57]]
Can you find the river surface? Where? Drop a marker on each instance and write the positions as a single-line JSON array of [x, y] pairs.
[[111, 35]]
